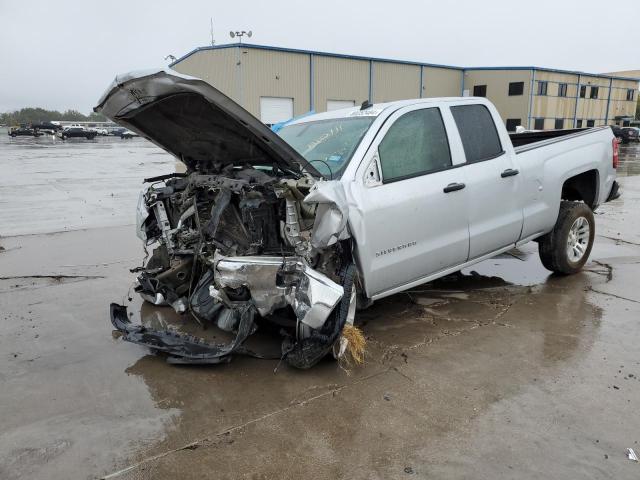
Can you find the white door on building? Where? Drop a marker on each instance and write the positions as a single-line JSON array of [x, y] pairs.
[[338, 104], [275, 109]]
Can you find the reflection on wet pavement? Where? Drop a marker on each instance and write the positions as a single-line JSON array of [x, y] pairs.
[[499, 371], [629, 160], [51, 185]]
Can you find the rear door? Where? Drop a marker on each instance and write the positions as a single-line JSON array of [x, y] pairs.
[[412, 202], [493, 181]]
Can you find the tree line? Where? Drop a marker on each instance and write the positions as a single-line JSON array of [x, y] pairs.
[[36, 115]]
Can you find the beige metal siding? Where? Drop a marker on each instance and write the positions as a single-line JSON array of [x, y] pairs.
[[217, 67], [593, 108], [395, 81], [268, 73], [339, 79], [620, 106], [497, 82], [551, 106], [441, 82], [245, 74]]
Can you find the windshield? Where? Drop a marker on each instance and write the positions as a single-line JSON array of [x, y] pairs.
[[327, 144]]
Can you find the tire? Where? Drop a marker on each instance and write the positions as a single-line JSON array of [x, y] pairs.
[[308, 352], [64, 137], [567, 247]]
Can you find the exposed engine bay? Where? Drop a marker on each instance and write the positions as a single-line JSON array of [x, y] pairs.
[[244, 244], [251, 233]]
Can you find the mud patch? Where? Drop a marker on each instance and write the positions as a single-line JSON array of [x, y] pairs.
[[28, 282]]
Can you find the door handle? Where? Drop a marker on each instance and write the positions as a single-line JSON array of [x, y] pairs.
[[509, 172], [452, 187]]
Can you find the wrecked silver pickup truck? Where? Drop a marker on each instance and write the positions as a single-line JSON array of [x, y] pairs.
[[338, 209]]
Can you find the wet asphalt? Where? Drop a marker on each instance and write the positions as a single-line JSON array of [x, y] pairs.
[[501, 371]]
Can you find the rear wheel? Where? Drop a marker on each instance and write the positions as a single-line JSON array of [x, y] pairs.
[[566, 248]]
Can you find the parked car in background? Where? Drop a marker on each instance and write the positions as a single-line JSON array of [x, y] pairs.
[[46, 127], [117, 131], [340, 208], [101, 131], [77, 132], [630, 134], [128, 134], [617, 131], [23, 131]]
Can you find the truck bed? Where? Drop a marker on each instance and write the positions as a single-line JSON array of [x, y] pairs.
[[523, 142]]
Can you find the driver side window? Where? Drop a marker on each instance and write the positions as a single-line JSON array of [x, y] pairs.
[[416, 144]]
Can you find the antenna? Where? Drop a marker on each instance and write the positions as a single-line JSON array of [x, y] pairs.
[[213, 42]]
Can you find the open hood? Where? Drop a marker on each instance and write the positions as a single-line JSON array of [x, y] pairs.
[[197, 123]]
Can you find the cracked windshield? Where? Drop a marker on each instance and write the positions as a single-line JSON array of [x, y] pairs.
[[327, 144]]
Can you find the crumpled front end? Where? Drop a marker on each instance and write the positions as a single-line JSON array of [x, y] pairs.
[[236, 247]]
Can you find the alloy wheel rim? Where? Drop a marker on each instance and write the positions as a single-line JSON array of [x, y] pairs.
[[578, 239]]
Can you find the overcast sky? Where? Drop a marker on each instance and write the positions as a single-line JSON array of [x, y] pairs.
[[63, 54]]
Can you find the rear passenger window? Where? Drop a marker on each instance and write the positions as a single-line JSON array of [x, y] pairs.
[[478, 132], [415, 144]]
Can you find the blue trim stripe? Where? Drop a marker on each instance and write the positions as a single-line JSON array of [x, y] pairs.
[[608, 101], [370, 81]]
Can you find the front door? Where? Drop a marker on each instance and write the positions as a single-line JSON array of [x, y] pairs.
[[412, 217]]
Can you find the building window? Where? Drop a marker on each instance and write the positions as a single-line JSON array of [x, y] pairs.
[[480, 91], [579, 123], [542, 88], [538, 124], [594, 92], [478, 132], [562, 89], [416, 144], [559, 125], [630, 94], [591, 123], [516, 88], [583, 91], [512, 123]]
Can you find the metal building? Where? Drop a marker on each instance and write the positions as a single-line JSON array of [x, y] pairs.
[[276, 84], [542, 98]]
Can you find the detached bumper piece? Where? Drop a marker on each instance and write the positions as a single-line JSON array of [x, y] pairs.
[[180, 348], [615, 192]]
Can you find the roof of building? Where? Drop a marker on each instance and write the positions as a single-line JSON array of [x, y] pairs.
[[388, 60], [310, 52], [557, 70]]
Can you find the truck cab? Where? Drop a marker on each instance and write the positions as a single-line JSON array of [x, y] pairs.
[[439, 185]]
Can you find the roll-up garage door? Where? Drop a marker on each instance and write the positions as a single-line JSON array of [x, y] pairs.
[[275, 109]]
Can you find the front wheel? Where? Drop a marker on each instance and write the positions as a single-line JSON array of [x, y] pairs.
[[566, 248]]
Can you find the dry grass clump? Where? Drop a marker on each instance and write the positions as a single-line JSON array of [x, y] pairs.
[[356, 345]]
